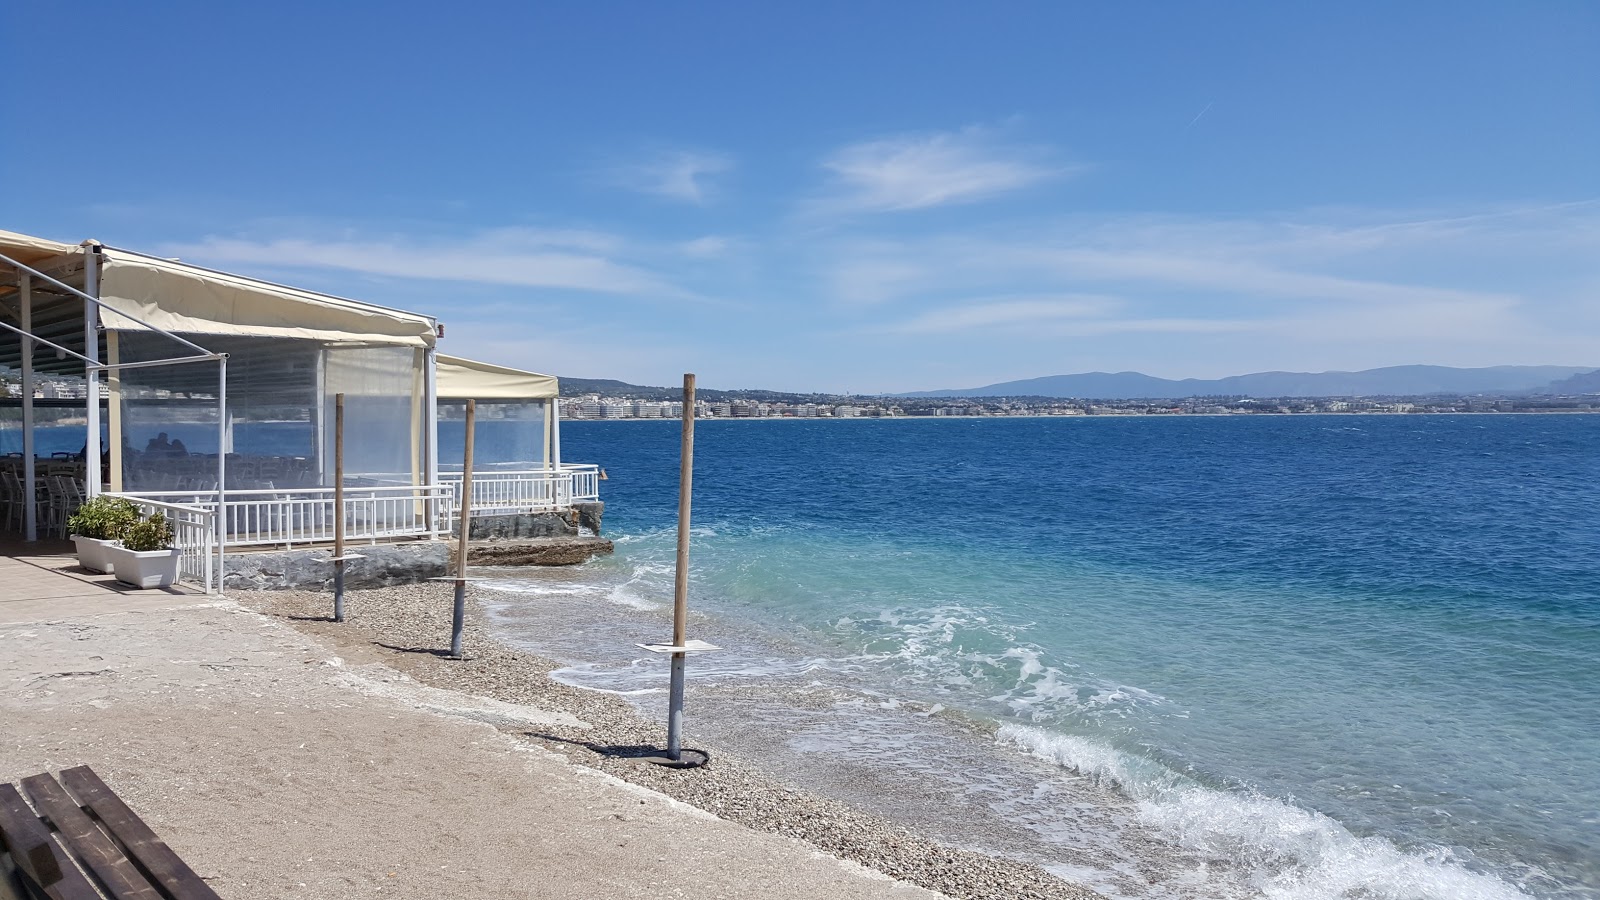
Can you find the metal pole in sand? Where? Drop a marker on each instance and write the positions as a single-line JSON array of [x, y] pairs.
[[681, 646], [458, 620], [680, 588], [338, 507]]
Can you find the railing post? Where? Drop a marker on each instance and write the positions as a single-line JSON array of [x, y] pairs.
[[205, 551]]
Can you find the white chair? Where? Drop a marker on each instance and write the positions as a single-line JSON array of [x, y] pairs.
[[17, 510], [65, 497]]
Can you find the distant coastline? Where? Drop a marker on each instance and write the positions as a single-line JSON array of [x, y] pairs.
[[1139, 415]]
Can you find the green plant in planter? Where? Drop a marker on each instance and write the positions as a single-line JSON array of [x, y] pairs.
[[104, 518], [154, 533]]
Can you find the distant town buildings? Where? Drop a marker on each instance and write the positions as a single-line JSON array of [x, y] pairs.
[[594, 406], [816, 406], [52, 389]]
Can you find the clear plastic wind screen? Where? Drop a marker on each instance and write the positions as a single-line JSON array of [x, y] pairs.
[[508, 435], [382, 412], [169, 416], [58, 414]]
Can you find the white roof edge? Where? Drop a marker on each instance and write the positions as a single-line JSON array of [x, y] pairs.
[[469, 379], [360, 304], [182, 298]]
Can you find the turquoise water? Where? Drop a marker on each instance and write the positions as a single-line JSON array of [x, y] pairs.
[[1294, 657], [1276, 656]]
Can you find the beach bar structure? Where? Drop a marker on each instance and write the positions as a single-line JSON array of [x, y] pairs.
[[210, 397]]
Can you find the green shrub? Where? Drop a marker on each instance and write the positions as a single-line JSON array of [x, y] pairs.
[[154, 533], [104, 518]]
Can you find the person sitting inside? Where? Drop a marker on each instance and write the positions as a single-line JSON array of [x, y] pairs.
[[177, 448], [158, 445]]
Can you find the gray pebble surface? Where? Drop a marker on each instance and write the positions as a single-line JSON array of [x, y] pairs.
[[408, 628]]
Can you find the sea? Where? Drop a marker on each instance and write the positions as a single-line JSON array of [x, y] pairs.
[[1312, 656], [1166, 657]]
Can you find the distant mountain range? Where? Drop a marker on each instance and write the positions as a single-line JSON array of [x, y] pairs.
[[1388, 381], [1400, 381], [610, 387], [1586, 383]]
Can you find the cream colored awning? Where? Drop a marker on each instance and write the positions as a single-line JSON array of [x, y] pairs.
[[186, 299], [28, 250], [466, 379], [137, 290]]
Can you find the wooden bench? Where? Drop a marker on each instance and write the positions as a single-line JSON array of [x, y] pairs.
[[89, 848]]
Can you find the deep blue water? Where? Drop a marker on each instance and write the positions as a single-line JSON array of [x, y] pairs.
[[1321, 656], [1349, 656]]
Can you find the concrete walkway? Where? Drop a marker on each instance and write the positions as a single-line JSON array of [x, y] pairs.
[[42, 580], [277, 769]]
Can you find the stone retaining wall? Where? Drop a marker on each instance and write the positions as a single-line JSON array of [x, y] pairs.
[[311, 569], [520, 526], [382, 565]]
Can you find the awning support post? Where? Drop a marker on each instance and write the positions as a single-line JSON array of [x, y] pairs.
[[30, 485], [222, 468], [91, 374], [548, 405], [430, 440], [555, 432], [114, 436], [338, 507]]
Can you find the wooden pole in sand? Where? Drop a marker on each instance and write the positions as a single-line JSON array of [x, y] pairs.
[[680, 591], [458, 619], [338, 507]]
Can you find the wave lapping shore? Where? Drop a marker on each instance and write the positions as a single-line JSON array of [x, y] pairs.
[[1202, 659], [404, 627]]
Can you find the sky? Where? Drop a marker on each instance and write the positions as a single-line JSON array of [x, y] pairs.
[[851, 197]]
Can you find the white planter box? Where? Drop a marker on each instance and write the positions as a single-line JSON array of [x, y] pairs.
[[94, 554], [145, 568]]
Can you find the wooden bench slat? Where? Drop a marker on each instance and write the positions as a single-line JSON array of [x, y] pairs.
[[149, 852], [91, 845], [35, 852], [11, 886]]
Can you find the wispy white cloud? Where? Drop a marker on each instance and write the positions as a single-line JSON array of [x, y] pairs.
[[1076, 315], [1269, 261], [1205, 296], [683, 175], [569, 349], [1006, 313], [569, 259], [708, 247], [1169, 295], [1249, 277], [873, 278], [919, 171]]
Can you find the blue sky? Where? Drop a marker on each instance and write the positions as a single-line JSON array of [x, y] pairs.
[[862, 197]]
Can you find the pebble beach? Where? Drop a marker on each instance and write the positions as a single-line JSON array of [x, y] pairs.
[[408, 628]]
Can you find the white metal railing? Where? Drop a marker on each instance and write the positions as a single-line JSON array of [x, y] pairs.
[[289, 516], [529, 490], [194, 531]]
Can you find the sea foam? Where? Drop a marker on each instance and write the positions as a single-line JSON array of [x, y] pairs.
[[1289, 853]]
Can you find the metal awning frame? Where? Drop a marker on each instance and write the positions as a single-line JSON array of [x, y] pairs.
[[92, 369]]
